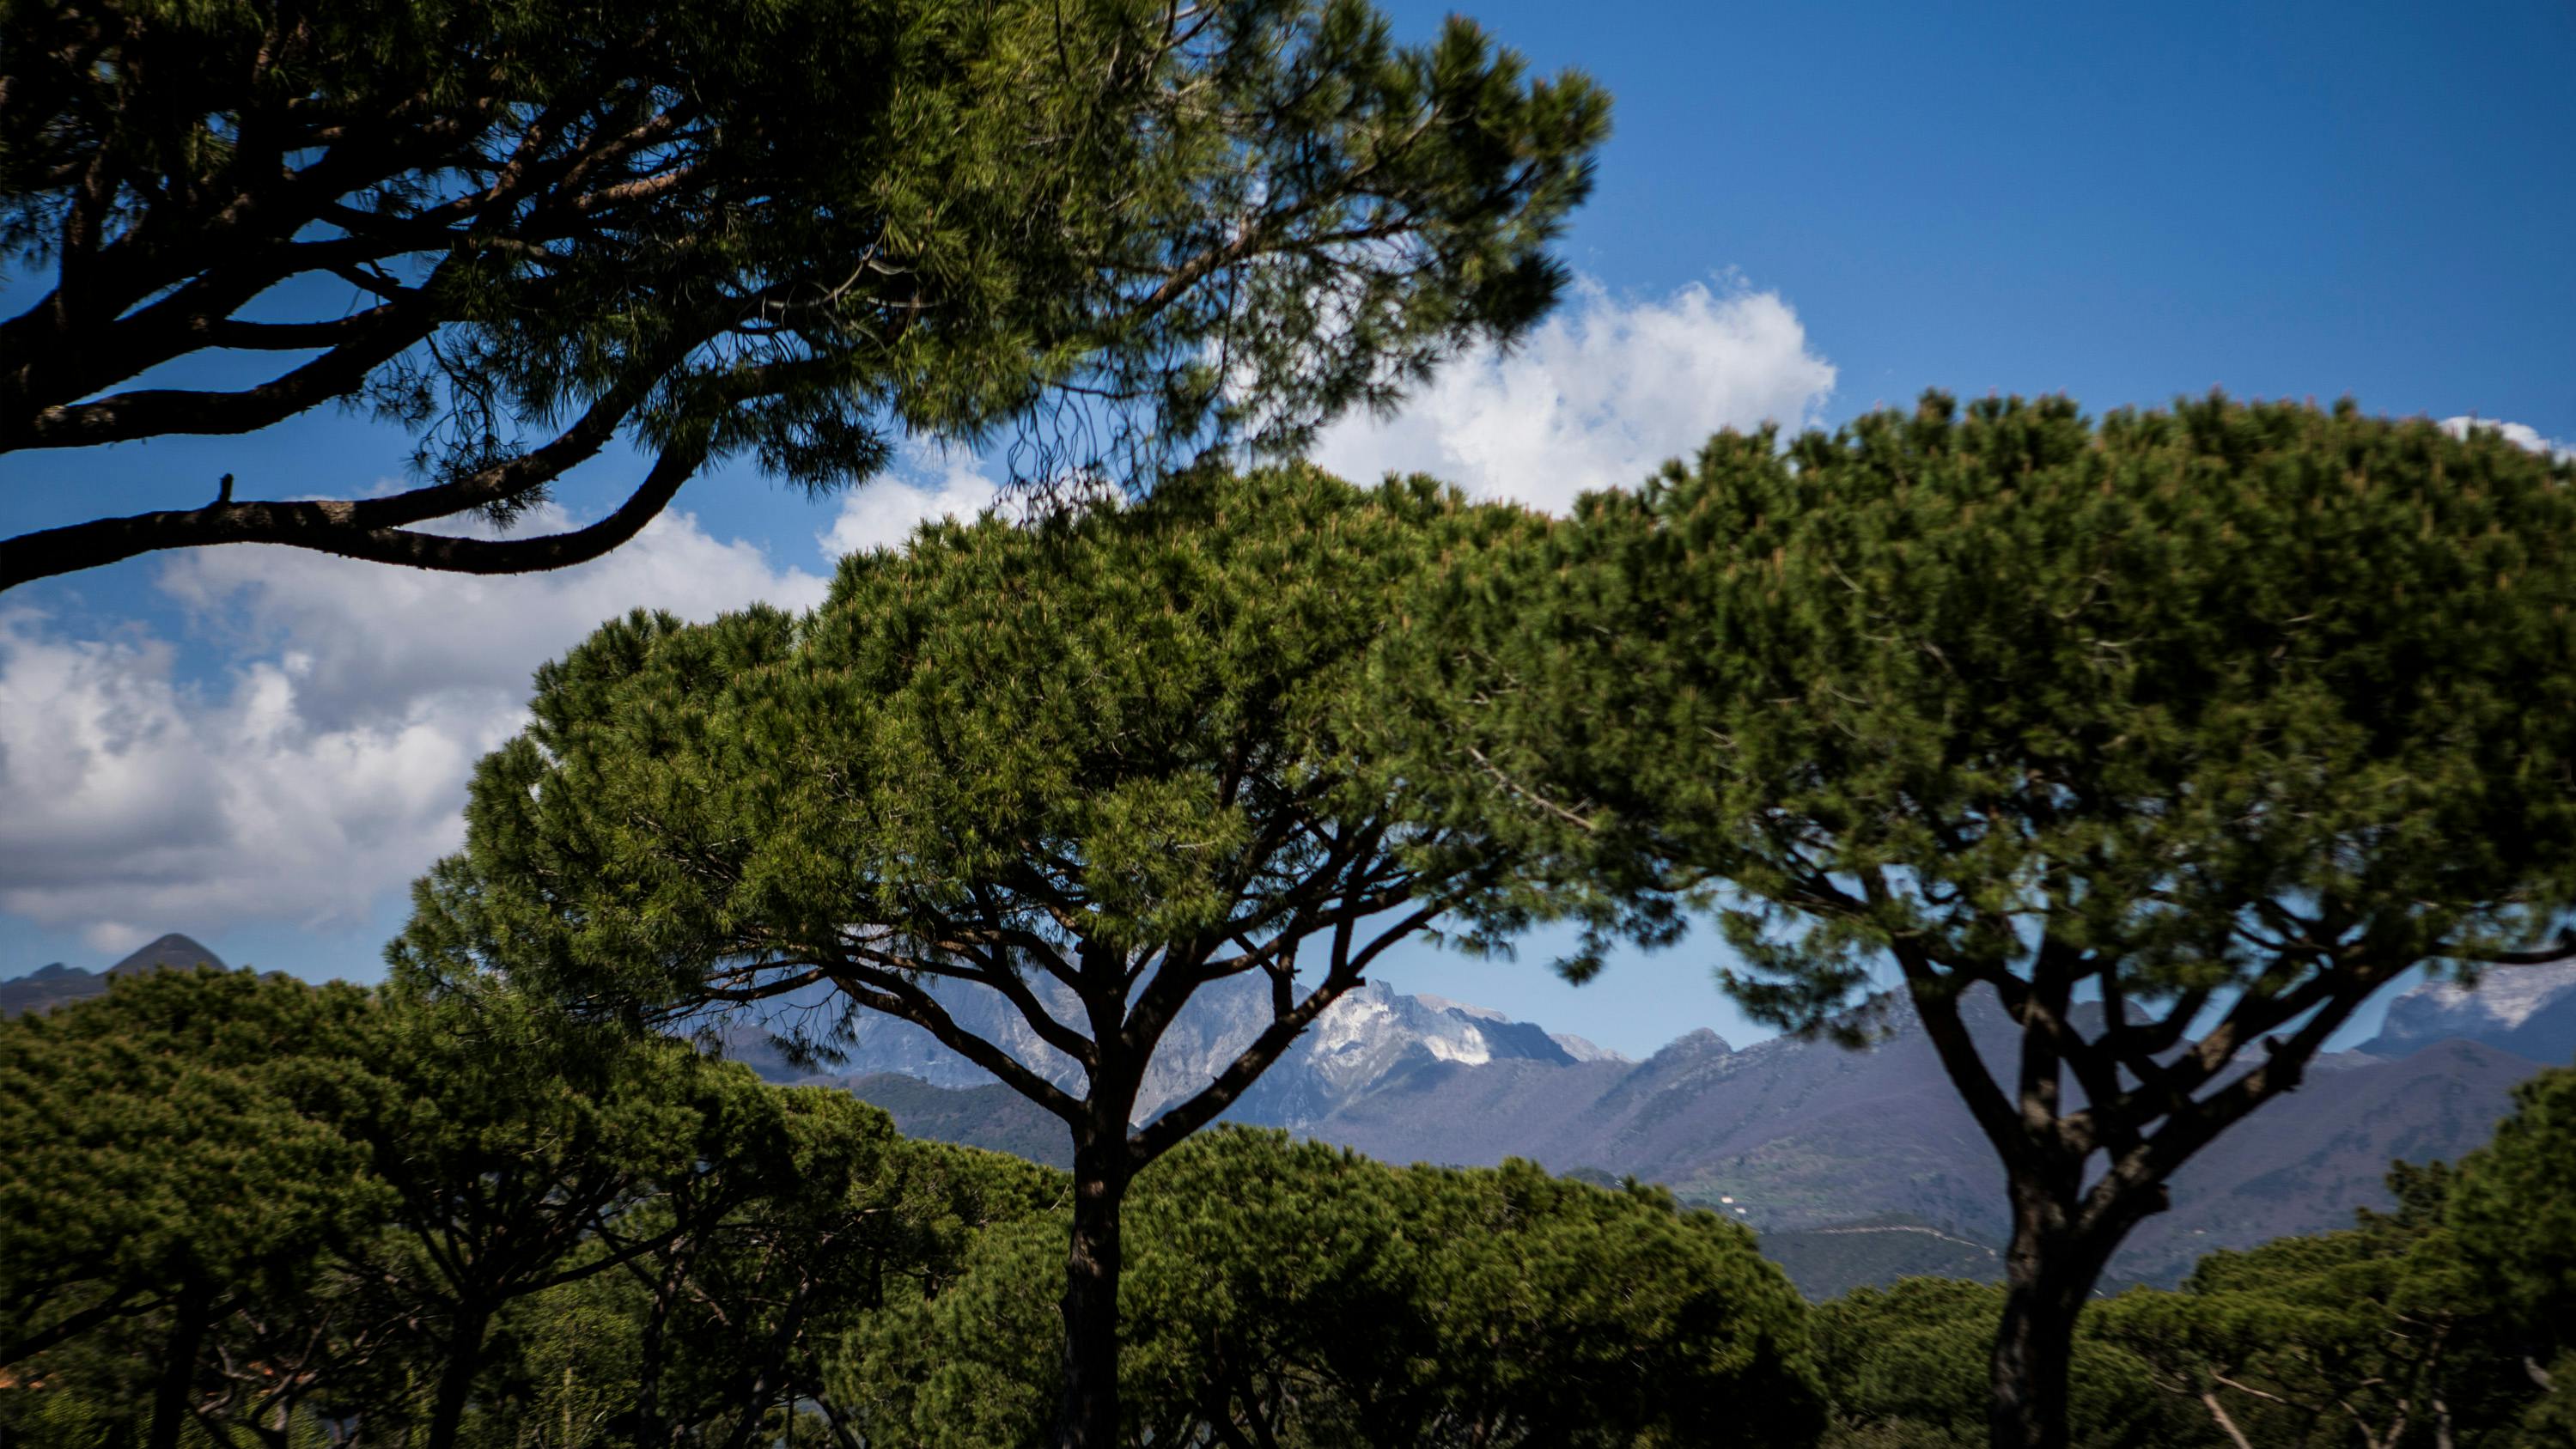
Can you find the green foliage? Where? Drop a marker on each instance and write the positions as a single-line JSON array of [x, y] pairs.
[[1074, 772], [2401, 1330], [245, 1206], [295, 1196], [2221, 718], [2515, 1208], [2513, 1214], [730, 1326], [2134, 683], [792, 230], [170, 1152], [1298, 1294], [521, 1159], [1905, 1368], [1127, 728]]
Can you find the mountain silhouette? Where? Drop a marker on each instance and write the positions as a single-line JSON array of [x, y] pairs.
[[53, 985]]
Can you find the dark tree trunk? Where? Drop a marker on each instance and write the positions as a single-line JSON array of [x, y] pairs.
[[649, 1432], [178, 1365], [2049, 1274], [2034, 1346], [1087, 1416], [456, 1379]]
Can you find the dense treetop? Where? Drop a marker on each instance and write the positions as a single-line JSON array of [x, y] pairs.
[[2222, 717], [1011, 757], [1294, 1293], [2133, 678]]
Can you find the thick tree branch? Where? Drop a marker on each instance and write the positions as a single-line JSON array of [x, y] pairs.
[[887, 991], [330, 527]]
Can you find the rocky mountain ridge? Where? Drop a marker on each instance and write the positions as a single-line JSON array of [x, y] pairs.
[[2529, 1011]]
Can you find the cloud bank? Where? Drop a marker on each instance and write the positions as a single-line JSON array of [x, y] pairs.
[[1598, 396], [325, 762]]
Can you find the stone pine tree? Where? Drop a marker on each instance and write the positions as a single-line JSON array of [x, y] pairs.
[[2375, 1334], [1086, 768], [2514, 1213], [2181, 735], [1300, 1294], [784, 231], [516, 1160], [165, 1159]]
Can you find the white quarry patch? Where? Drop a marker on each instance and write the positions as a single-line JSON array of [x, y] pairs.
[[1469, 1050], [1345, 1025]]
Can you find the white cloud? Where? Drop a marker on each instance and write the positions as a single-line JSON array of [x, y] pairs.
[[114, 938], [883, 513], [2521, 435], [364, 641], [1597, 396], [324, 763]]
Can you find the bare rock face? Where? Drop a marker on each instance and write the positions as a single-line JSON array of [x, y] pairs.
[[2529, 1011]]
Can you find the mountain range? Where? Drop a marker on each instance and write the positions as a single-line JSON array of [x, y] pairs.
[[1793, 1137], [1858, 1163]]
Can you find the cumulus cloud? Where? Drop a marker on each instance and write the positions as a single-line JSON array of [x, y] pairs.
[[1597, 396], [2521, 435], [928, 483], [364, 642], [324, 762]]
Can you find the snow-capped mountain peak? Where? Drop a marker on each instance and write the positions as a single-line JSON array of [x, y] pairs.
[[1365, 1038]]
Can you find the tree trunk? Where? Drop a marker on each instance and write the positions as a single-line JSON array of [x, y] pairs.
[[649, 1432], [179, 1365], [1087, 1415], [2049, 1273], [456, 1379]]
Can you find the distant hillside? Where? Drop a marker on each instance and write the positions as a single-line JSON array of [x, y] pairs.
[[1805, 1135], [52, 986], [992, 1116], [1829, 1262]]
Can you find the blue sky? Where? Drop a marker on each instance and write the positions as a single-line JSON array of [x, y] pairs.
[[1807, 211]]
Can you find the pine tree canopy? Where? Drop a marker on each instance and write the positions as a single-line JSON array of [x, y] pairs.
[[2181, 734], [1112, 233], [1068, 773], [1294, 1293], [2254, 704], [1115, 754]]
